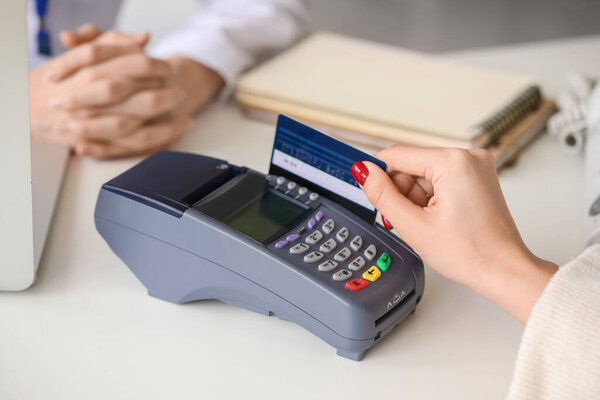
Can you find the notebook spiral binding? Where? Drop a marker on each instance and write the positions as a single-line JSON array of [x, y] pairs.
[[507, 117]]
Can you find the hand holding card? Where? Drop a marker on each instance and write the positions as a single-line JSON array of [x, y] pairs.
[[321, 163]]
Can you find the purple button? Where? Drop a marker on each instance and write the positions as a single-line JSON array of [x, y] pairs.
[[281, 243], [319, 216], [292, 238], [311, 223]]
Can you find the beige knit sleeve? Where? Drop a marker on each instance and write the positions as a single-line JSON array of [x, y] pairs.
[[559, 357]]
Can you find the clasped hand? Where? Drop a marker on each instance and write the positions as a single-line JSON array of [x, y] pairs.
[[106, 98]]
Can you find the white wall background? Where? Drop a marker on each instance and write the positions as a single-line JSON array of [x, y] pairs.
[[158, 16], [427, 25]]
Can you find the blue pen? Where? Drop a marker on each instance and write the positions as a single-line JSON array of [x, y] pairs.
[[43, 37]]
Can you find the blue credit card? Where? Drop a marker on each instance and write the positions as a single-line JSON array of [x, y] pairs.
[[321, 163]]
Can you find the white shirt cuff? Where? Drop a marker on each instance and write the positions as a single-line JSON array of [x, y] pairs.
[[213, 50]]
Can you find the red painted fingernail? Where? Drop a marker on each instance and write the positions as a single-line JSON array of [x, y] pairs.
[[386, 223], [360, 172]]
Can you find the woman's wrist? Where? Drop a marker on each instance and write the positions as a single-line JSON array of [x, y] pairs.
[[200, 83], [516, 283]]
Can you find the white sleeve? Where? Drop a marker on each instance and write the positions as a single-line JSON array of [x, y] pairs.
[[230, 36], [559, 357]]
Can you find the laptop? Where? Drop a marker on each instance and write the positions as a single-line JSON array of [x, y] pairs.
[[30, 174]]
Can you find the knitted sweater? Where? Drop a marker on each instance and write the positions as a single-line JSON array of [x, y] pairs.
[[559, 357]]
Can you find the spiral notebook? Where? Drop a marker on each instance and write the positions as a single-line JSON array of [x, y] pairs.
[[388, 95]]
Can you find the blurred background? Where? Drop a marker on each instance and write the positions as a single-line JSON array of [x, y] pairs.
[[426, 25]]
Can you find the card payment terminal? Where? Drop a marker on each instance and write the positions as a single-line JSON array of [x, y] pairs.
[[192, 227]]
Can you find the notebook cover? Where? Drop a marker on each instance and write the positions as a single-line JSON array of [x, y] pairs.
[[359, 129], [399, 91]]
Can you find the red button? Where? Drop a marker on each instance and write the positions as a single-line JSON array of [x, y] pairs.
[[357, 284]]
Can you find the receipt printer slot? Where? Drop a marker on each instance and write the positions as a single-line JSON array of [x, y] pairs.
[[173, 182]]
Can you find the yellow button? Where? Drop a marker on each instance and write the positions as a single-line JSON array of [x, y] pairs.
[[372, 274]]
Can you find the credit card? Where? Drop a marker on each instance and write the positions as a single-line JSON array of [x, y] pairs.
[[322, 164]]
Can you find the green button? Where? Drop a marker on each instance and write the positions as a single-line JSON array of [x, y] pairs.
[[384, 262]]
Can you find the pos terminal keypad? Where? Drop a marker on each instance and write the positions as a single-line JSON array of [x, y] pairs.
[[323, 245]]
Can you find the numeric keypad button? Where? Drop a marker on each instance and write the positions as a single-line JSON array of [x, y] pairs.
[[342, 275], [328, 246], [342, 235], [299, 248], [357, 264], [370, 252], [328, 226], [356, 243], [343, 254], [314, 237], [328, 266], [313, 257]]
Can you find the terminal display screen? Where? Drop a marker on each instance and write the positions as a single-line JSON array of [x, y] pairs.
[[266, 216]]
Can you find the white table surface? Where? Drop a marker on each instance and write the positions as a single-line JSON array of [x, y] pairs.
[[88, 330]]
